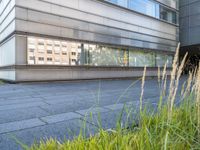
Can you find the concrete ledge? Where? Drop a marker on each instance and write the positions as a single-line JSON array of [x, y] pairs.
[[83, 67], [29, 73]]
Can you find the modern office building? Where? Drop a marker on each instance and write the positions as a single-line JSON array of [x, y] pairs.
[[86, 39], [190, 29]]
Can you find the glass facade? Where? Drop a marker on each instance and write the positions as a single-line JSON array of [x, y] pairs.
[[168, 15], [141, 59], [56, 52], [150, 8]]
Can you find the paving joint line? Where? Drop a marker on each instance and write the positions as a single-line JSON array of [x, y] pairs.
[[40, 118], [45, 110], [46, 123], [46, 102], [107, 108], [18, 108], [43, 100], [22, 129], [86, 121], [28, 102]]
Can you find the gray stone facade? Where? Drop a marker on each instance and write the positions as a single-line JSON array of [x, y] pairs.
[[91, 21], [189, 22]]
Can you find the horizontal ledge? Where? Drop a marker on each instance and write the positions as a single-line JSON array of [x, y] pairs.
[[81, 67]]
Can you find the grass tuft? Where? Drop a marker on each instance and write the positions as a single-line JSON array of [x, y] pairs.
[[1, 82], [173, 125]]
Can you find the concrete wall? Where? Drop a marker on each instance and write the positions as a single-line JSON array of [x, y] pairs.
[[7, 18], [189, 22], [171, 3], [21, 50], [92, 20], [12, 52], [43, 73], [7, 52], [7, 57], [8, 74], [85, 20], [7, 44]]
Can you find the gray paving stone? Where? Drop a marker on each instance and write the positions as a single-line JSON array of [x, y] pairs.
[[19, 125], [2, 99], [23, 105], [21, 114], [70, 106], [61, 131], [16, 95], [110, 120], [115, 106], [104, 100], [19, 101], [61, 99], [136, 103], [23, 97], [61, 117], [56, 101], [92, 110]]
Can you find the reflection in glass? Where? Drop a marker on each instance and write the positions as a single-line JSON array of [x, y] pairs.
[[105, 56], [141, 59], [70, 53], [150, 8], [144, 6], [162, 59], [168, 15]]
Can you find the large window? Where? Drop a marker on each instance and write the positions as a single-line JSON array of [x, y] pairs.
[[105, 56], [56, 52], [168, 15], [162, 59], [144, 6], [140, 59], [46, 51], [150, 8]]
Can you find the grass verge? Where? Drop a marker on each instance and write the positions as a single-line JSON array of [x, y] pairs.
[[154, 132], [1, 82], [169, 127]]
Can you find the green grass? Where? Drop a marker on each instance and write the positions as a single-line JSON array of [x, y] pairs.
[[170, 127], [1, 82], [153, 132]]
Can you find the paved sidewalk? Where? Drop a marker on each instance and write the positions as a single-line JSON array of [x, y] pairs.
[[32, 111]]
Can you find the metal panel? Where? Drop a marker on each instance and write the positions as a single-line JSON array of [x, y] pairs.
[[4, 4], [190, 22], [97, 12], [195, 20], [194, 35], [7, 52], [94, 21], [171, 3], [9, 18], [10, 28], [7, 15], [38, 28], [6, 11]]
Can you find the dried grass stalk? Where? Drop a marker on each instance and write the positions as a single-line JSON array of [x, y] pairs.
[[173, 78], [159, 74], [179, 72], [197, 93], [174, 82], [188, 86], [164, 80], [142, 88]]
